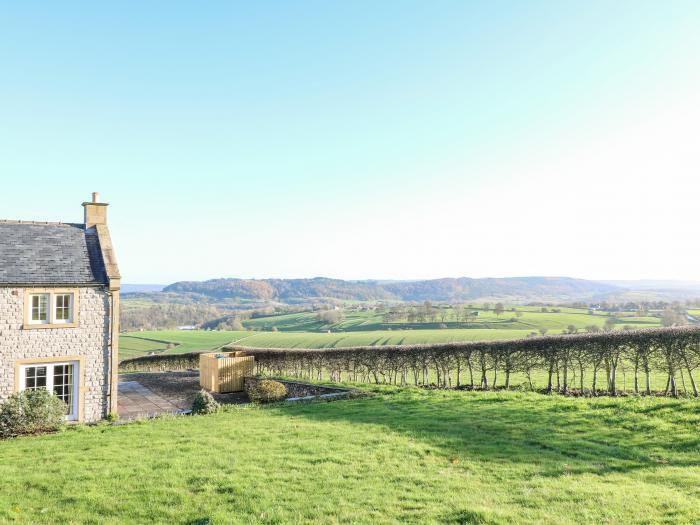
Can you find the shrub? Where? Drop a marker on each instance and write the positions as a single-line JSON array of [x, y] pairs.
[[204, 403], [31, 412], [266, 391]]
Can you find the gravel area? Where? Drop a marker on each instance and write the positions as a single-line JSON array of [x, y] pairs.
[[180, 387]]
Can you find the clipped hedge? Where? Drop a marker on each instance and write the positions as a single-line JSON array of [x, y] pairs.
[[160, 362], [585, 362]]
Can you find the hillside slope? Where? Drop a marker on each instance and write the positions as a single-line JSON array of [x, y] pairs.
[[521, 289]]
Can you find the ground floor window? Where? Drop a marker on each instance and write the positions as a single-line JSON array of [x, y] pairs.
[[58, 378]]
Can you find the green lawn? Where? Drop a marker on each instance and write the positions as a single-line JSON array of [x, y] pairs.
[[403, 456]]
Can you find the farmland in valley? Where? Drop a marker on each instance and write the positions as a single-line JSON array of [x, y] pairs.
[[521, 318], [360, 327]]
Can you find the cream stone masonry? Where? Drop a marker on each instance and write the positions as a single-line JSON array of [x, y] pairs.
[[54, 259], [89, 340]]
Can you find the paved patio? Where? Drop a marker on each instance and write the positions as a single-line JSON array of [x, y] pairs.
[[143, 395], [178, 387], [136, 401]]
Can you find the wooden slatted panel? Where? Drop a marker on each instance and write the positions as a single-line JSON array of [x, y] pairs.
[[208, 372], [225, 374], [232, 371]]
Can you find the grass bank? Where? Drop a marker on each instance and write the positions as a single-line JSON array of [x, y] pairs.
[[403, 456]]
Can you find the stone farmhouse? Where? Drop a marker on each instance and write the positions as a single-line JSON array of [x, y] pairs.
[[59, 312]]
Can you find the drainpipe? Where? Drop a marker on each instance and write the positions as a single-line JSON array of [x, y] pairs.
[[110, 340]]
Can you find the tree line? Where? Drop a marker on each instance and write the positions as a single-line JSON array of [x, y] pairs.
[[165, 316]]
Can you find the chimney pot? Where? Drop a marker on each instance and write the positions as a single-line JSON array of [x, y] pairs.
[[95, 196]]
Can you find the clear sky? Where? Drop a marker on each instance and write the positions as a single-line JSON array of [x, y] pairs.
[[361, 139]]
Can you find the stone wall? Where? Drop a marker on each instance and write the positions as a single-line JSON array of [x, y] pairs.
[[89, 339]]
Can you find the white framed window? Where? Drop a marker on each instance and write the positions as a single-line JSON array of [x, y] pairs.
[[39, 308], [59, 378], [63, 308], [51, 308]]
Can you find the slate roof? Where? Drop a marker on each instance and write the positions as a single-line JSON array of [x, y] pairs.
[[36, 253]]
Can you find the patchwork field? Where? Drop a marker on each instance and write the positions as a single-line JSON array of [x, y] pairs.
[[360, 328], [522, 318], [403, 456]]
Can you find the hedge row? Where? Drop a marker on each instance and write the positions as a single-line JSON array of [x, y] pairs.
[[160, 362], [583, 362]]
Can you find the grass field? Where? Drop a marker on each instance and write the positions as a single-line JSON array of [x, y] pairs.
[[403, 456], [141, 343], [136, 346], [360, 328], [374, 338], [524, 318]]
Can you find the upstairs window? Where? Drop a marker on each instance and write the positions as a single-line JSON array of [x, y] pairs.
[[51, 308], [39, 308], [63, 308]]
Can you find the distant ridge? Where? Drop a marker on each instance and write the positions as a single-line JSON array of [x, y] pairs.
[[142, 288], [656, 284], [511, 289]]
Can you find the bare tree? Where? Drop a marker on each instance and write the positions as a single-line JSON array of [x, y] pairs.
[[329, 317]]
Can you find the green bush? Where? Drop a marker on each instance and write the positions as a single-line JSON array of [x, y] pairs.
[[31, 412], [266, 391], [204, 403]]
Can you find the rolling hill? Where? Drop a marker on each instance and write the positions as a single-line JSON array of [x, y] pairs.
[[512, 289]]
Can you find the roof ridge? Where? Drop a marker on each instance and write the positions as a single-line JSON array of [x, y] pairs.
[[43, 223]]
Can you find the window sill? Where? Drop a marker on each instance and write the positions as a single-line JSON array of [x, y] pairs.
[[37, 326]]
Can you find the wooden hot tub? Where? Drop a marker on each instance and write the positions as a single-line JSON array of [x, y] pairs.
[[223, 372]]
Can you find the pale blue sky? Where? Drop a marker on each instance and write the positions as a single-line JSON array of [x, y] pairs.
[[361, 139]]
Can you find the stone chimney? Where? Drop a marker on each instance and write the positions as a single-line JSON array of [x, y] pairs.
[[95, 211]]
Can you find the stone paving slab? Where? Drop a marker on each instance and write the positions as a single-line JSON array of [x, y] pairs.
[[137, 402]]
